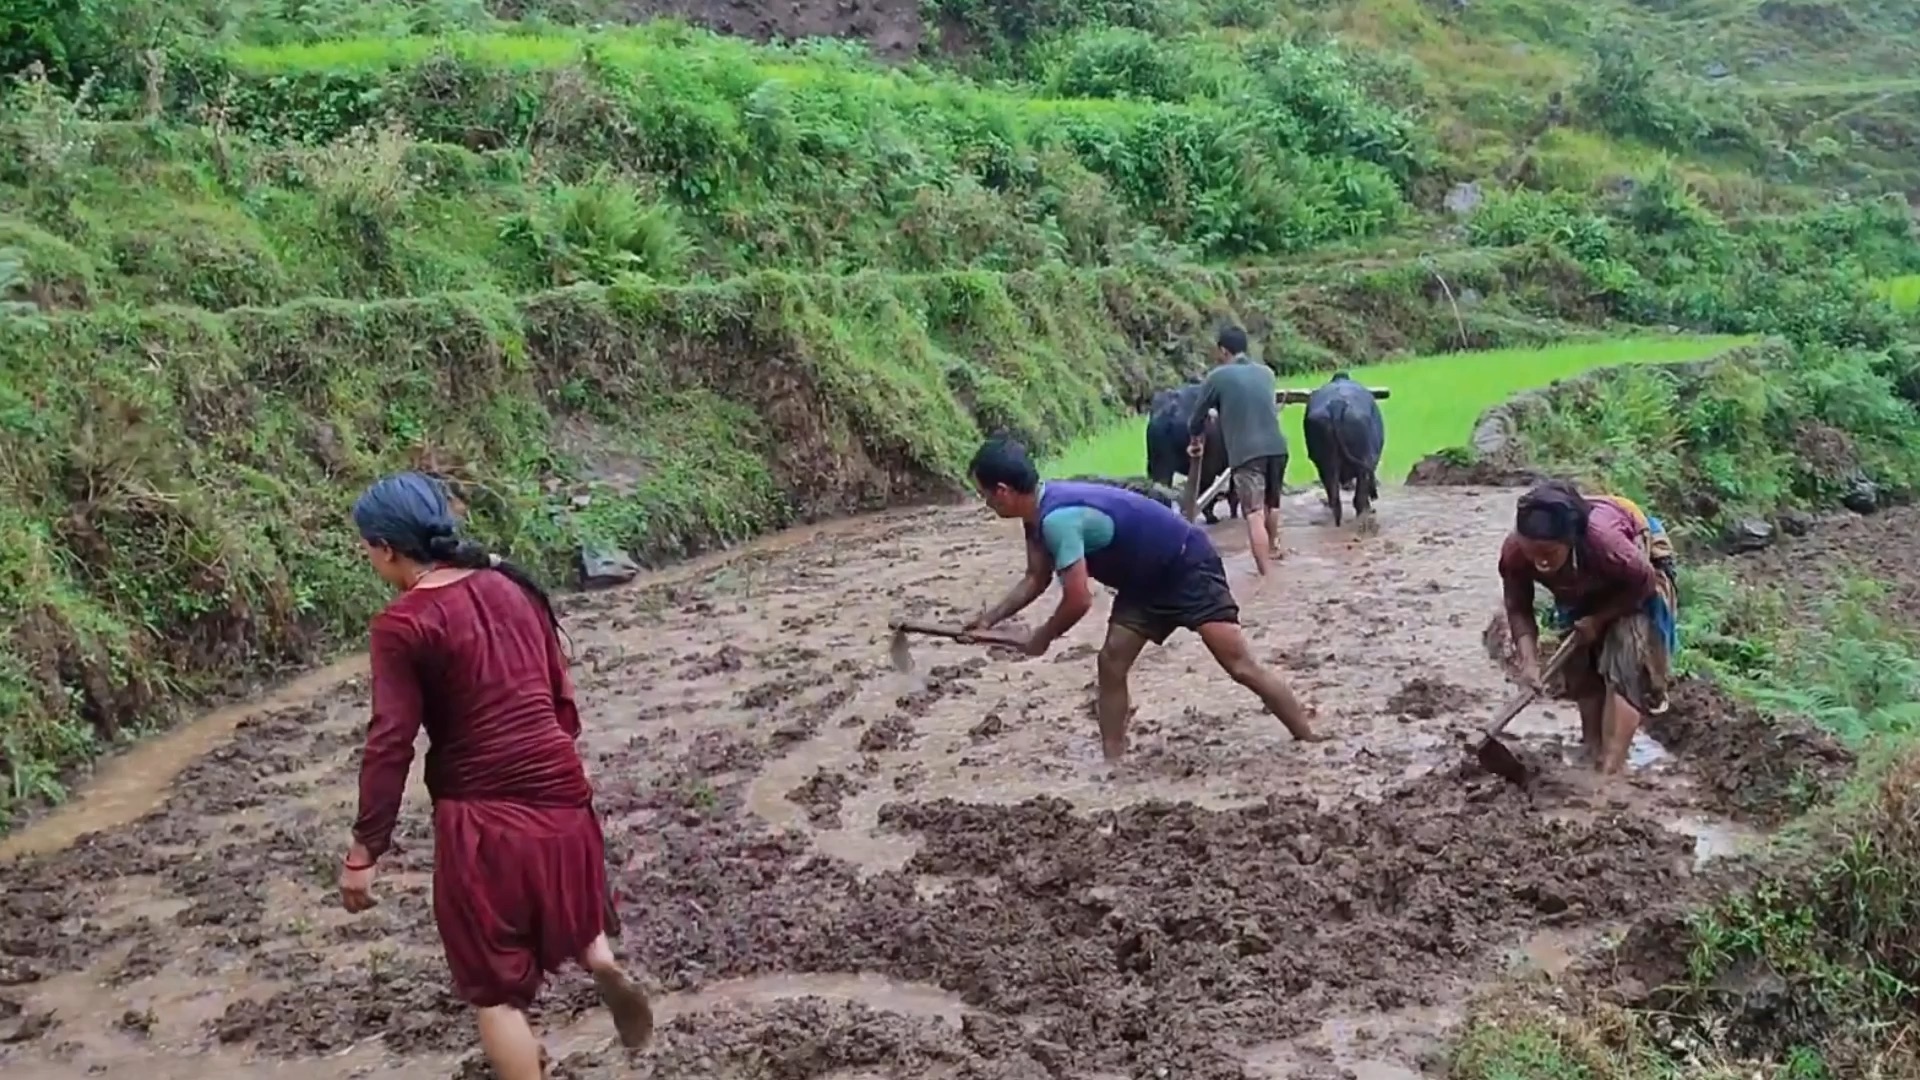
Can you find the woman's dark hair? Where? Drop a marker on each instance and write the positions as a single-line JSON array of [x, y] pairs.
[[411, 514], [1233, 339], [1554, 511], [1002, 461]]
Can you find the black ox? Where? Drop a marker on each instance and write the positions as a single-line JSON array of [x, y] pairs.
[[1167, 423]]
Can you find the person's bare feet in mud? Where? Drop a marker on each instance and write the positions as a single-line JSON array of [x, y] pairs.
[[632, 1012]]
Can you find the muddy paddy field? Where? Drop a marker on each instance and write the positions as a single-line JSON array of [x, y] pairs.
[[833, 871]]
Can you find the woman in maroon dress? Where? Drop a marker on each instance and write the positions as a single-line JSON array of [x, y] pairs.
[[471, 649]]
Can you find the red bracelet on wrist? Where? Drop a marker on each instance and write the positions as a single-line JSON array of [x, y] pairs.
[[351, 865]]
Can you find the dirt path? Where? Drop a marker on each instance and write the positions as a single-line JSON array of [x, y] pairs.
[[836, 871]]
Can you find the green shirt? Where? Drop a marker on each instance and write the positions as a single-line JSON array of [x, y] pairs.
[[1243, 391]]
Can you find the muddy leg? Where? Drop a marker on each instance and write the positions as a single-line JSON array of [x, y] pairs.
[[1117, 655], [632, 1015], [1260, 543], [1261, 540], [510, 1045], [1229, 646], [1331, 483], [1591, 728], [1620, 722]]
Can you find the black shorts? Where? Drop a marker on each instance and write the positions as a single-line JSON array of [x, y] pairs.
[[1193, 595]]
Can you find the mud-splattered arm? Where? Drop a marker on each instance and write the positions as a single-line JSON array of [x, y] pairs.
[[396, 720], [1516, 596]]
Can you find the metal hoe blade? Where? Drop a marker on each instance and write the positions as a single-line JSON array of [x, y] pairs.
[[900, 651], [1501, 762], [1494, 756]]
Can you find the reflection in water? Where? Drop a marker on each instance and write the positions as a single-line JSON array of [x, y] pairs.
[[1380, 1046], [1717, 837]]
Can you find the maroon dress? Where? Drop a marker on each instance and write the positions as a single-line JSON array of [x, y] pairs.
[[519, 870]]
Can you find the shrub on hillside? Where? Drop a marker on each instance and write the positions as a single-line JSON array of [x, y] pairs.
[[1656, 255], [1750, 433], [778, 160], [1624, 93]]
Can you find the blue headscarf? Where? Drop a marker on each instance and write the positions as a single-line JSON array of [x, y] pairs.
[[411, 514]]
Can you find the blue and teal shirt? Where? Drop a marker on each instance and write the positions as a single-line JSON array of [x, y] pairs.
[[1129, 541]]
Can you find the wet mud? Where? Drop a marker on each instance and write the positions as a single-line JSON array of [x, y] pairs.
[[1816, 565], [1763, 768], [832, 870]]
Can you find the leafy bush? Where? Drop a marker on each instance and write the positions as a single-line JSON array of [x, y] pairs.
[[1750, 433], [1623, 92]]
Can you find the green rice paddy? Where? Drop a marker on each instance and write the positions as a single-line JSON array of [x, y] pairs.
[[1434, 403], [1902, 292]]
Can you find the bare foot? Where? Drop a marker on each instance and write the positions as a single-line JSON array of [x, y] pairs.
[[632, 1015]]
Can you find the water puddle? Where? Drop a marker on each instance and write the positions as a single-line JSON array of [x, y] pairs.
[[1645, 751], [1554, 950], [1381, 1046], [367, 1061], [1717, 838], [874, 991], [134, 782], [878, 992]]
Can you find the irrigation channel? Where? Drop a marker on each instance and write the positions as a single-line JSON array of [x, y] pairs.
[[833, 870]]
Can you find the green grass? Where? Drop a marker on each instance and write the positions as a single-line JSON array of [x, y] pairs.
[[1901, 292], [1435, 401]]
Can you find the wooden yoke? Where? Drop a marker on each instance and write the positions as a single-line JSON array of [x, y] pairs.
[[1299, 397]]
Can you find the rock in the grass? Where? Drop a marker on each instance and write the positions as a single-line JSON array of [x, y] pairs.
[[1863, 495], [1464, 199], [604, 567], [1796, 523], [1747, 534]]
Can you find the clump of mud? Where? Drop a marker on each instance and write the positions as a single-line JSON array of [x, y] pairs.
[[821, 796], [1449, 470], [1424, 698], [888, 733], [1155, 937], [1764, 768]]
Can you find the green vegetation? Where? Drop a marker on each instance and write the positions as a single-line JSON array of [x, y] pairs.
[[1753, 433], [1902, 292], [1434, 399]]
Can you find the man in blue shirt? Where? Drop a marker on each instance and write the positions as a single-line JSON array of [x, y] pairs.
[[1165, 572]]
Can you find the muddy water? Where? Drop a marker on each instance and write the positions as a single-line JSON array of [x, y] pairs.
[[833, 869]]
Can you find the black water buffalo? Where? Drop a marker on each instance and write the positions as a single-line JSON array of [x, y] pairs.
[[1167, 446], [1345, 434]]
